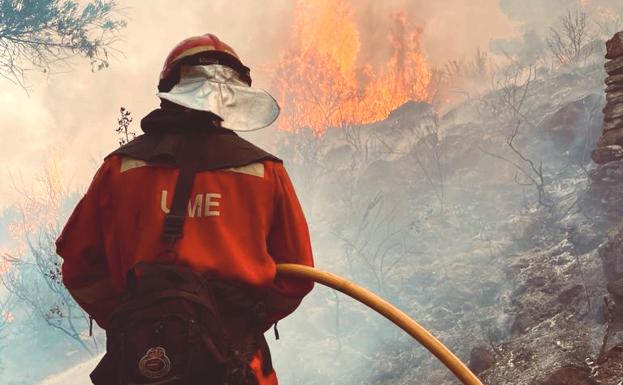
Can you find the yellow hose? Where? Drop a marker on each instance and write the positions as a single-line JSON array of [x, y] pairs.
[[386, 309]]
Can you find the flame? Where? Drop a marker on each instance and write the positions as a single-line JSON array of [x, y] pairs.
[[323, 80]]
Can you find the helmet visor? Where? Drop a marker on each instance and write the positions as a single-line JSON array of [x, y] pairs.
[[220, 90]]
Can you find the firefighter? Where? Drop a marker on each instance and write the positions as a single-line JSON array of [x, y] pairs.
[[173, 249]]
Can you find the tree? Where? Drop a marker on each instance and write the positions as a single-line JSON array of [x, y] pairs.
[[35, 281], [32, 272], [508, 104], [40, 34], [569, 41]]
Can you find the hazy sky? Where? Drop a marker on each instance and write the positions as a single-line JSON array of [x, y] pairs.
[[71, 116]]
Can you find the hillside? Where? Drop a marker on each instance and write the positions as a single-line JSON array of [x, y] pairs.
[[489, 224]]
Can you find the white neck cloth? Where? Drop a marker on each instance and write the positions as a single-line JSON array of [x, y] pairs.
[[219, 89]]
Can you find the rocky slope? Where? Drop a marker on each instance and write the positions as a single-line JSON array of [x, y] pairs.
[[498, 250]]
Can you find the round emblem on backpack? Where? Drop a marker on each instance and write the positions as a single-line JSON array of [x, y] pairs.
[[155, 364]]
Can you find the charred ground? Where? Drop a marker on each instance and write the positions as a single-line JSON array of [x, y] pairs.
[[489, 224]]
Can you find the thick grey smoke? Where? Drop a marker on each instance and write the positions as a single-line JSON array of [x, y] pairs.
[[541, 15], [71, 116], [74, 110], [448, 27], [535, 14]]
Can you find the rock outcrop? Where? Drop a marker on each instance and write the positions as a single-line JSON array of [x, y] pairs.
[[610, 145]]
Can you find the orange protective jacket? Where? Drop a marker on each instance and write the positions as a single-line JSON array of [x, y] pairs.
[[240, 223]]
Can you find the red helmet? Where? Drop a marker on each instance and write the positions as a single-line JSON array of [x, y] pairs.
[[197, 50]]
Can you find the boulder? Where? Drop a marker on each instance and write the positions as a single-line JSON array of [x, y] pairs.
[[524, 321], [613, 111], [614, 87], [570, 295], [613, 124], [615, 67], [569, 374], [480, 359], [614, 46], [575, 127], [411, 109], [616, 288], [607, 154], [604, 202], [614, 96], [611, 137], [615, 79]]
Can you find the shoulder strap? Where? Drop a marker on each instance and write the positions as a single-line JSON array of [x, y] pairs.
[[188, 167], [174, 220]]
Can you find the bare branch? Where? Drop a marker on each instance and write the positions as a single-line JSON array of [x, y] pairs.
[[568, 42]]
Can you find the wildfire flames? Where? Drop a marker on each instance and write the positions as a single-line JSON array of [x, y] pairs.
[[323, 80]]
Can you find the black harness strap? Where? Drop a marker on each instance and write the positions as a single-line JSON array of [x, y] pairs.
[[174, 220]]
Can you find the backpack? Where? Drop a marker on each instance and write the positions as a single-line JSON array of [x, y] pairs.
[[175, 326]]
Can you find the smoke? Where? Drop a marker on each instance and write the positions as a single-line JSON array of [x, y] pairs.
[[75, 110], [541, 15], [449, 27], [535, 14]]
